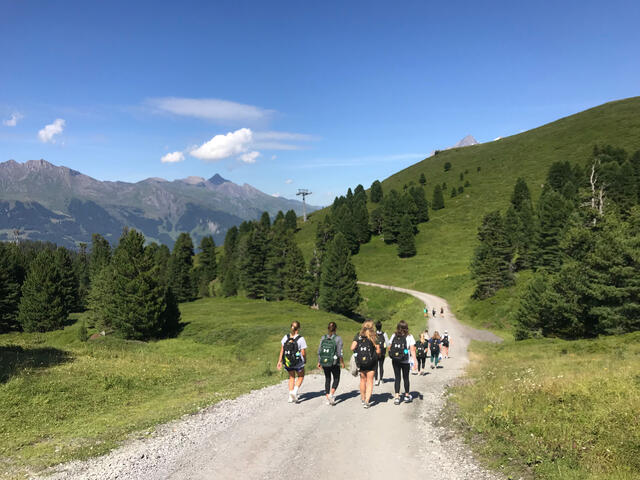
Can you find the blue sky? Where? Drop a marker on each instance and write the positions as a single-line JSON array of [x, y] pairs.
[[289, 94]]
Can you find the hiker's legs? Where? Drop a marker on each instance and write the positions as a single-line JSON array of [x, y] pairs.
[[363, 385], [335, 371], [396, 373], [292, 380], [369, 385], [445, 351], [379, 369], [327, 380], [405, 376], [300, 378]]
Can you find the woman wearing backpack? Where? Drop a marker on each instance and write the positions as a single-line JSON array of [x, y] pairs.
[[365, 347], [330, 359], [293, 355], [422, 346], [446, 341], [383, 341], [401, 351], [434, 347]]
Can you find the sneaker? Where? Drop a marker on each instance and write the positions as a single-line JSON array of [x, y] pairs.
[[408, 398], [366, 405], [362, 401], [377, 382], [328, 402], [397, 401], [432, 367], [294, 397], [291, 397], [332, 400]]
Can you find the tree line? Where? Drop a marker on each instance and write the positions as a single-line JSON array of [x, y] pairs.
[[582, 240]]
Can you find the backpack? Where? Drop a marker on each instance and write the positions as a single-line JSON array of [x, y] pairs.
[[445, 340], [365, 353], [328, 350], [383, 349], [421, 351], [291, 354], [398, 349], [435, 347]]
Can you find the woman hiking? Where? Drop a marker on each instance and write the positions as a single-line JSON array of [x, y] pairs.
[[446, 342], [383, 341], [422, 346], [434, 347], [366, 349], [330, 359], [293, 355], [402, 349]]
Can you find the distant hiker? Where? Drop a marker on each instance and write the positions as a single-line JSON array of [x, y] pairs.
[[401, 351], [293, 355], [434, 348], [442, 311], [425, 311], [383, 341], [330, 359], [433, 312], [366, 349], [422, 346], [446, 341]]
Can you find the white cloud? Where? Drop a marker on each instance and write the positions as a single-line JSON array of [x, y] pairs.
[[13, 120], [49, 131], [211, 109], [224, 146], [273, 157], [288, 181], [272, 140], [277, 195], [173, 157], [249, 157]]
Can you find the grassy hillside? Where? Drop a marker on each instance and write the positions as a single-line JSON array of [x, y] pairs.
[[62, 399], [552, 409], [446, 243]]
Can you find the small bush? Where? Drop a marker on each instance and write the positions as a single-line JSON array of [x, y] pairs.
[[447, 166]]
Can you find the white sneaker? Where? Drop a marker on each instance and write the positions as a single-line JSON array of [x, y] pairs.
[[377, 382], [408, 398], [295, 398], [332, 400], [291, 397]]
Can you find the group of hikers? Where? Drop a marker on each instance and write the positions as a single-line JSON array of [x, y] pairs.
[[369, 348]]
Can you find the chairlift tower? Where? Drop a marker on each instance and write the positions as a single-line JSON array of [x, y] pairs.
[[304, 192]]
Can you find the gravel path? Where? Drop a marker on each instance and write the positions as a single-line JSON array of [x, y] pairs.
[[261, 436]]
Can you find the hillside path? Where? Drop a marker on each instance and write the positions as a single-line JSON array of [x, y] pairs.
[[261, 436]]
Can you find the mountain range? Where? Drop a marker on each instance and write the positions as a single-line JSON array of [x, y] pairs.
[[55, 203]]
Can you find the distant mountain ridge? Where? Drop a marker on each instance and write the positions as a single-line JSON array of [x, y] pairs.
[[59, 204]]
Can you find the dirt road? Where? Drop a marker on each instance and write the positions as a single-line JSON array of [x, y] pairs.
[[261, 436]]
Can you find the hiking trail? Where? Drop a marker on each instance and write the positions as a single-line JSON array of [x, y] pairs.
[[261, 436]]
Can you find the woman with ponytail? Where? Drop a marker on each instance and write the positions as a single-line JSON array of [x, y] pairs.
[[293, 356]]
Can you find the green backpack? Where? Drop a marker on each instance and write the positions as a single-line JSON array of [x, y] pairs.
[[328, 349]]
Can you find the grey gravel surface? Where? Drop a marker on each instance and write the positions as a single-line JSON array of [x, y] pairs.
[[261, 436]]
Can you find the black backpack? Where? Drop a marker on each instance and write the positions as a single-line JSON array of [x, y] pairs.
[[445, 340], [365, 353], [291, 354], [398, 349], [421, 351], [435, 347], [383, 349]]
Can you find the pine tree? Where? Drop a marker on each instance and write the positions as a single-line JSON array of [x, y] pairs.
[[42, 306], [360, 219], [277, 249], [447, 166], [100, 254], [343, 220], [100, 298], [376, 192], [453, 192], [279, 217], [392, 215], [422, 180], [181, 276], [626, 187], [359, 194], [438, 198], [265, 221], [377, 221], [406, 240], [325, 232], [530, 315], [294, 274], [553, 213], [208, 267], [162, 258], [253, 275], [291, 220], [521, 225], [68, 280], [339, 291], [81, 270], [9, 289], [422, 205], [140, 307], [492, 260]]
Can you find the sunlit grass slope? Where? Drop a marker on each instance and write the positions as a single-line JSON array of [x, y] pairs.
[[62, 399], [553, 409], [446, 243]]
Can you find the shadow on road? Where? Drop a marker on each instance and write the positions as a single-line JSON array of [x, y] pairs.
[[347, 395], [310, 396]]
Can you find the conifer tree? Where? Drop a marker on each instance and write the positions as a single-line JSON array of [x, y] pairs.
[[438, 198], [81, 270], [339, 291], [279, 217], [208, 267], [265, 221], [406, 240], [100, 254], [491, 263], [291, 220], [181, 276], [359, 194], [230, 284], [276, 252], [521, 225], [68, 280], [140, 307], [252, 266], [360, 219], [530, 315], [376, 192], [9, 289], [294, 274], [453, 192], [377, 221], [392, 215], [100, 298], [422, 180], [553, 213], [422, 205], [325, 232], [313, 284], [343, 220], [42, 305], [162, 257]]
